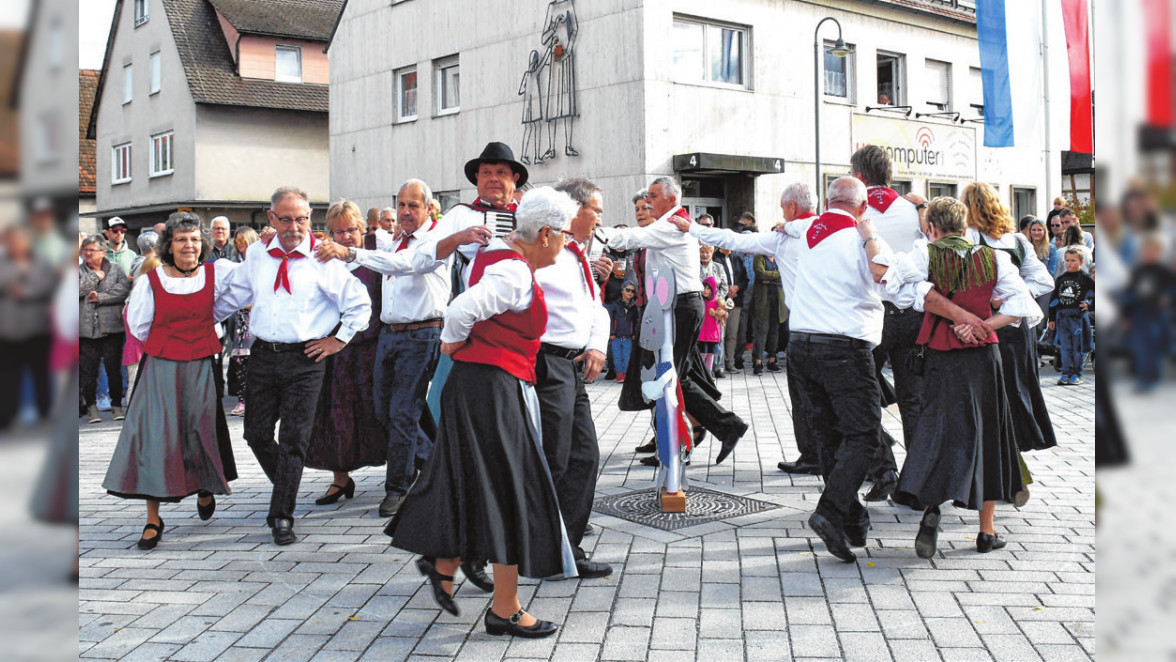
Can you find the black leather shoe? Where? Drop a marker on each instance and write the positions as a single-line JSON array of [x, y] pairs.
[[146, 543], [651, 461], [476, 573], [440, 595], [799, 468], [650, 447], [206, 512], [833, 537], [330, 497], [592, 570], [729, 442], [856, 534], [390, 504], [498, 626], [283, 531], [986, 543], [928, 533], [883, 487]]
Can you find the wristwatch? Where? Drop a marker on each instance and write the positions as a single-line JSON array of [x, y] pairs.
[[921, 205], [351, 254], [868, 240]]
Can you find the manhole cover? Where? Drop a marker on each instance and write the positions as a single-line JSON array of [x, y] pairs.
[[702, 505]]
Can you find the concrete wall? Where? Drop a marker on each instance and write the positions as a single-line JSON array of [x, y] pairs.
[[371, 155], [172, 108], [243, 154], [49, 103]]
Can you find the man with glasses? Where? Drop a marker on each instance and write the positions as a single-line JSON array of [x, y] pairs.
[[222, 248], [117, 250], [414, 304], [303, 312]]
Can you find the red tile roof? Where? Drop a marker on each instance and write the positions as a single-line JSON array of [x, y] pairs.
[[87, 172]]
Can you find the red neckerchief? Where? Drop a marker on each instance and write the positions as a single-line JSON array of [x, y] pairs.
[[583, 259], [283, 277], [482, 205], [682, 213], [880, 198], [826, 225]]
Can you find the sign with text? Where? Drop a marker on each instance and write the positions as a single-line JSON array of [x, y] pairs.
[[920, 150]]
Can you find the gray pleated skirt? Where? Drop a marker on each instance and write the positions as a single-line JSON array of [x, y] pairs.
[[174, 442]]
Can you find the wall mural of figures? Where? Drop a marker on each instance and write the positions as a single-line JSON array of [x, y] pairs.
[[548, 87]]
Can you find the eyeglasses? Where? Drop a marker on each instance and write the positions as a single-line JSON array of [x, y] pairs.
[[343, 232], [568, 234], [297, 219]]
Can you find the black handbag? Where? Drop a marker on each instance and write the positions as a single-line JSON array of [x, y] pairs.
[[917, 360]]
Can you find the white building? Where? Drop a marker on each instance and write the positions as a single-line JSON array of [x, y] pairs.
[[210, 105], [720, 94]]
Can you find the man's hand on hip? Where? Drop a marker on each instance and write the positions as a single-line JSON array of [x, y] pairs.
[[324, 347], [593, 362]]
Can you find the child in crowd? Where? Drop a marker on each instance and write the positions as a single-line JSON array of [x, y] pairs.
[[1069, 315], [623, 327], [1146, 309], [711, 333]]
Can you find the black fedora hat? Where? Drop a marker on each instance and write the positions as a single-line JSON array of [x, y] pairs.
[[496, 153]]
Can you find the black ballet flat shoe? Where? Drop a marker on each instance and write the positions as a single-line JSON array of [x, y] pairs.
[[649, 447], [986, 543], [330, 497], [729, 442], [928, 533], [440, 595], [146, 543], [832, 536], [498, 626], [476, 573], [206, 512]]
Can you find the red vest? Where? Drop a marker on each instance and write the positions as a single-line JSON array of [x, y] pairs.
[[976, 300], [508, 340], [183, 327]]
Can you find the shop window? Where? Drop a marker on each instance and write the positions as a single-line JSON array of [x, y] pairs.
[[940, 189]]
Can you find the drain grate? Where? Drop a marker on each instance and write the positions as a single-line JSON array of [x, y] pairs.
[[702, 506]]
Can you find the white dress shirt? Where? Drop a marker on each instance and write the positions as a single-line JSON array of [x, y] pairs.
[[384, 240], [321, 295], [575, 318], [898, 225], [668, 247], [505, 286], [835, 291], [408, 295], [1033, 270], [911, 268], [141, 303], [459, 218], [771, 243]]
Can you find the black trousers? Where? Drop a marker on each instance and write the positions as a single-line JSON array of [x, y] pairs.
[[15, 357], [900, 330], [281, 385], [838, 397], [767, 326], [569, 440], [699, 393], [108, 350]]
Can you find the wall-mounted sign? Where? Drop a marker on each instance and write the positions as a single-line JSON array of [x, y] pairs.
[[922, 150]]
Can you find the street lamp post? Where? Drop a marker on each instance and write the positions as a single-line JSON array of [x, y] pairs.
[[840, 50]]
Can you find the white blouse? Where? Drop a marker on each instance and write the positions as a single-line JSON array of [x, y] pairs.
[[141, 303], [1033, 270], [505, 285]]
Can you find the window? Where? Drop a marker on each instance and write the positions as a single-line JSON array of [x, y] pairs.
[[939, 85], [891, 91], [710, 53], [839, 74], [1024, 202], [156, 71], [161, 154], [47, 138], [900, 187], [141, 12], [120, 167], [56, 43], [288, 64], [940, 189], [406, 95], [128, 83], [976, 91], [448, 86], [448, 199]]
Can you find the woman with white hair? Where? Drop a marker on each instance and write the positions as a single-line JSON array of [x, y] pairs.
[[486, 493]]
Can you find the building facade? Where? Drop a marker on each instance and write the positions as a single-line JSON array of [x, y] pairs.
[[209, 105], [721, 95]]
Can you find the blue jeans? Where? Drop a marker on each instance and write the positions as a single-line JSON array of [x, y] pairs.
[[1149, 345], [1071, 345], [405, 361], [622, 348]]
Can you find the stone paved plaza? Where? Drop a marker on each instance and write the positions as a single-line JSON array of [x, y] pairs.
[[756, 587]]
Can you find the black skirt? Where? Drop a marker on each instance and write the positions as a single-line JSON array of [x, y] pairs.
[[486, 493], [963, 449], [1110, 447], [1031, 423]]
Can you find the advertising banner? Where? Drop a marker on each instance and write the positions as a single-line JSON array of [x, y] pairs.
[[919, 150]]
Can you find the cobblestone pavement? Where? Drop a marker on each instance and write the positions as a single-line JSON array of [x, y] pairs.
[[757, 587]]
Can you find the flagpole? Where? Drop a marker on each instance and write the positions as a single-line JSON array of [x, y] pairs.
[[1049, 192]]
